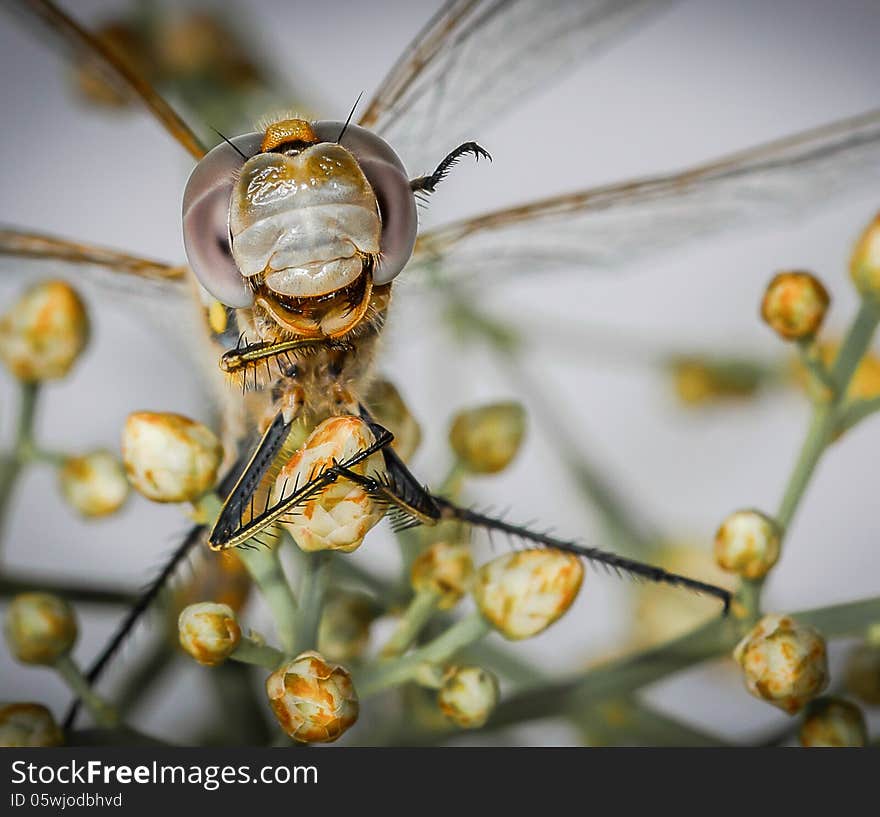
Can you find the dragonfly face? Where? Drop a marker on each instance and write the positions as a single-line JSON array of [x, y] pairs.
[[307, 224]]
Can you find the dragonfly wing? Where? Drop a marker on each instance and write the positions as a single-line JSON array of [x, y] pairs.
[[609, 227], [478, 58]]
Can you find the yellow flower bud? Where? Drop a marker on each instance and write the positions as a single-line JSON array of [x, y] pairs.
[[40, 628], [209, 632], [344, 632], [340, 516], [468, 696], [833, 722], [784, 662], [747, 543], [444, 569], [862, 673], [700, 381], [169, 458], [523, 593], [864, 264], [44, 333], [28, 725], [388, 409], [313, 700], [93, 485], [486, 439], [795, 304]]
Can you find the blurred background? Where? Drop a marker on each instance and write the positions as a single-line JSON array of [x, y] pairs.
[[705, 78]]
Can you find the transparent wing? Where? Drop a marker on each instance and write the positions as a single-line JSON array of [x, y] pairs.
[[477, 58], [605, 227]]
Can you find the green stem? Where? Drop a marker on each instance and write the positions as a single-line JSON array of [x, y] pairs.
[[100, 710], [82, 593], [853, 413], [11, 463], [400, 670], [313, 585], [249, 651], [416, 616], [264, 567]]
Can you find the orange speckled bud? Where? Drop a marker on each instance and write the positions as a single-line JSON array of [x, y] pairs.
[[784, 662], [340, 516], [747, 543], [521, 594], [94, 484], [864, 264], [444, 569], [209, 632], [795, 304], [40, 628], [833, 722], [27, 724], [44, 332], [486, 439], [468, 696], [313, 700], [169, 458]]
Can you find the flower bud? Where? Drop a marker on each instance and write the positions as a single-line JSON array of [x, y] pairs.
[[864, 264], [468, 696], [700, 381], [313, 700], [523, 593], [784, 662], [44, 333], [833, 722], [795, 304], [169, 458], [486, 439], [341, 515], [862, 673], [444, 569], [747, 543], [209, 632], [344, 633], [221, 577], [40, 628], [28, 725], [93, 485], [389, 410]]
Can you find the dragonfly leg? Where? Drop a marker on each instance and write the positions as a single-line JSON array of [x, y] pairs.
[[428, 184]]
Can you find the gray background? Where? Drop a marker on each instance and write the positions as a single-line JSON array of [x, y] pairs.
[[706, 78]]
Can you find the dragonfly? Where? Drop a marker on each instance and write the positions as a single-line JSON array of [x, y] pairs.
[[300, 337]]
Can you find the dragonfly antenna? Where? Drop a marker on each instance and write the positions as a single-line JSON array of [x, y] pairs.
[[228, 142], [348, 121]]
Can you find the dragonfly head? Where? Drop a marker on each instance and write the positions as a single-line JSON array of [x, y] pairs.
[[300, 224]]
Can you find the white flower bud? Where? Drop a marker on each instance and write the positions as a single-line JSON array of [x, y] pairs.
[[28, 725], [341, 515], [833, 722], [93, 485], [784, 662], [389, 410], [795, 304], [523, 593], [169, 458], [747, 543], [209, 632], [468, 696], [44, 333], [486, 439], [313, 700], [444, 569], [40, 628]]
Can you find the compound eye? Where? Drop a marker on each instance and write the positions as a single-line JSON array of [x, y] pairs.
[[387, 176], [206, 221]]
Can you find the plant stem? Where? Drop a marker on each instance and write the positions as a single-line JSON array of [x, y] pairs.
[[100, 710], [416, 616], [82, 593], [249, 651], [264, 567], [853, 413], [400, 670], [11, 463], [313, 584]]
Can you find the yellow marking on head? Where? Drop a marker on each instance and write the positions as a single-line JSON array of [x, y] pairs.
[[288, 130]]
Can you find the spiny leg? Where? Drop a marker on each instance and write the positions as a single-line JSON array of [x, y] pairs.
[[428, 184]]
